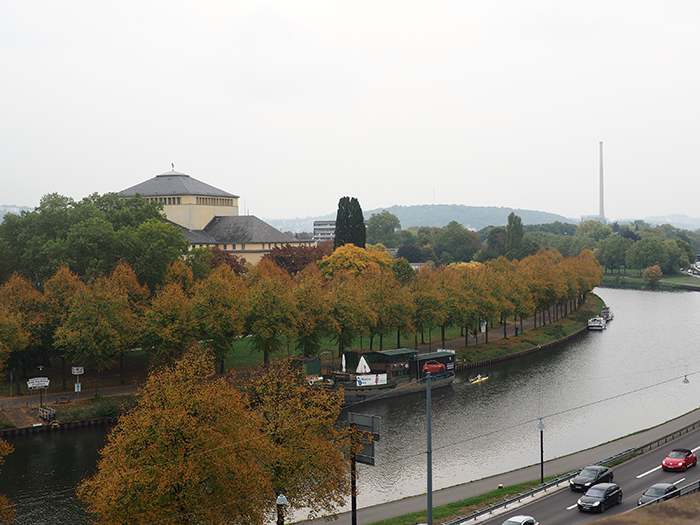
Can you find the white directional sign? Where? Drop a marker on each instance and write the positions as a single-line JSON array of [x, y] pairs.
[[34, 383], [77, 370]]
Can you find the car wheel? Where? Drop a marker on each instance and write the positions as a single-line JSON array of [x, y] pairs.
[[685, 467], [619, 499]]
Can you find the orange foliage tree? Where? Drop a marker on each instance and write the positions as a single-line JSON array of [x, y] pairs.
[[189, 452], [306, 459]]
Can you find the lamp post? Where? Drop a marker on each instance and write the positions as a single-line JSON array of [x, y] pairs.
[[540, 426], [281, 502]]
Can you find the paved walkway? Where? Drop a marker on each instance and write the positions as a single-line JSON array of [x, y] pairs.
[[557, 466]]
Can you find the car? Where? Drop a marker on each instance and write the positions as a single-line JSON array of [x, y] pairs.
[[659, 492], [434, 367], [521, 520], [589, 476], [679, 459], [599, 497]]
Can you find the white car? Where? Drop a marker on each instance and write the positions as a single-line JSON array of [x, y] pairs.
[[521, 520]]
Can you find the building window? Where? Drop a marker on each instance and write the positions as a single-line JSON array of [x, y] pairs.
[[242, 246], [233, 246]]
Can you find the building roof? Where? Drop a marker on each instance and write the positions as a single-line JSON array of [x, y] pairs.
[[174, 183], [241, 229]]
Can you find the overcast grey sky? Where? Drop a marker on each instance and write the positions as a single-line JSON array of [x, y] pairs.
[[294, 104]]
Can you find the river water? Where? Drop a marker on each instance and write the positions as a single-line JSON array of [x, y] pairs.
[[593, 389]]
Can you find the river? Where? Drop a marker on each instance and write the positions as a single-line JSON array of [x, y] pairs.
[[592, 389]]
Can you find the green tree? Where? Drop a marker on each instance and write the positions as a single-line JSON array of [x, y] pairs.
[[612, 251], [190, 452], [382, 228], [514, 236], [647, 252], [455, 243], [349, 224]]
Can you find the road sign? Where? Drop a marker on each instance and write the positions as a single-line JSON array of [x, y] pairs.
[[77, 387], [77, 370], [35, 383]]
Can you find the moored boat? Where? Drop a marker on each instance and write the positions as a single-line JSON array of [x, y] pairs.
[[597, 323], [607, 314], [388, 373]]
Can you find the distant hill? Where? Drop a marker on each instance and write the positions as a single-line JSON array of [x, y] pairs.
[[472, 217]]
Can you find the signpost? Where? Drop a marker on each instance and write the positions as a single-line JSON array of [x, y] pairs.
[[368, 428], [38, 383], [77, 371]]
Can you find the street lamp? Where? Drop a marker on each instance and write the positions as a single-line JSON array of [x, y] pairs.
[[540, 426], [281, 502]]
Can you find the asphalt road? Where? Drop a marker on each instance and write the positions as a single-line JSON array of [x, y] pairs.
[[553, 467], [633, 477]]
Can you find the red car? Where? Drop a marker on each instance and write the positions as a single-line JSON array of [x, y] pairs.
[[434, 367], [679, 459]]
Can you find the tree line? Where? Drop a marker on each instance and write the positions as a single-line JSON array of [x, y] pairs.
[[636, 245], [290, 301]]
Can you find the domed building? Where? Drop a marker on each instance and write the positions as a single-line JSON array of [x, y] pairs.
[[209, 216]]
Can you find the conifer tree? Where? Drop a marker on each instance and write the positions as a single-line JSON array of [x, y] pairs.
[[349, 224]]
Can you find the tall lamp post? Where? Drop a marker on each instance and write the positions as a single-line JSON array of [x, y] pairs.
[[281, 502], [540, 426]]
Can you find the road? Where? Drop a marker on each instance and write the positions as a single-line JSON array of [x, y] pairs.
[[633, 477]]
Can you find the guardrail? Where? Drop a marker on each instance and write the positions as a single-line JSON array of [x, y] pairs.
[[555, 482], [669, 437]]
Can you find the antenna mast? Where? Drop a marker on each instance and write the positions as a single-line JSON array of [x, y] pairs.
[[601, 211]]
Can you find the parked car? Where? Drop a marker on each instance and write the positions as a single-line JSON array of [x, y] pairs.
[[659, 492], [589, 476], [434, 367], [599, 497], [521, 520], [679, 459]]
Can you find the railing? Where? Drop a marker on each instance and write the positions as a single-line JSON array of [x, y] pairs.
[[535, 491], [47, 413]]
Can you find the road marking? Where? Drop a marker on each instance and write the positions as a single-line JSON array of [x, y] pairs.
[[677, 482], [649, 472], [572, 507]]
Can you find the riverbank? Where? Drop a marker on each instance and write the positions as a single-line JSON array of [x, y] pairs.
[[518, 339]]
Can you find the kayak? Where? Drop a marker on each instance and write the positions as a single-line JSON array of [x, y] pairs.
[[477, 380]]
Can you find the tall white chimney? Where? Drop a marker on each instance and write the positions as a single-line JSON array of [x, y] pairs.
[[601, 211]]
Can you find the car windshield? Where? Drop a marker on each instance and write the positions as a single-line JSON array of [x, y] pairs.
[[596, 493], [676, 455], [655, 492], [512, 522], [588, 473]]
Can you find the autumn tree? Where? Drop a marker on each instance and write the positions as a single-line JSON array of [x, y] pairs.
[[7, 508], [349, 223], [350, 312], [57, 299], [390, 301], [189, 452], [293, 259], [220, 306], [427, 299], [652, 274], [271, 317], [306, 460], [313, 316], [98, 327], [169, 325], [353, 259]]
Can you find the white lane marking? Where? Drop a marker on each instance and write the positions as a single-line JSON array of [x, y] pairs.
[[572, 506], [649, 472], [677, 482]]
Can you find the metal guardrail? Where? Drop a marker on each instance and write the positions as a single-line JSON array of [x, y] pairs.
[[555, 482], [688, 489]]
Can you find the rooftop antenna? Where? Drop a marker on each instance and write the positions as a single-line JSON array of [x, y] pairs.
[[173, 164]]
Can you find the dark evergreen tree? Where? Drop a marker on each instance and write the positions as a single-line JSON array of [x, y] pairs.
[[349, 224], [514, 236]]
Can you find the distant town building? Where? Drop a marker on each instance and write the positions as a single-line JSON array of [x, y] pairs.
[[599, 218], [325, 230], [209, 216]]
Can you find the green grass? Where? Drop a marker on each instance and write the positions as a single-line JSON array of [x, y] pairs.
[[94, 408], [460, 508]]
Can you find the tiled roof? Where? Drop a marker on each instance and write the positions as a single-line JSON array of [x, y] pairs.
[[243, 229], [174, 183]]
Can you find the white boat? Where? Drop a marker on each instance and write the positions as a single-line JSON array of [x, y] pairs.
[[597, 323], [607, 314]]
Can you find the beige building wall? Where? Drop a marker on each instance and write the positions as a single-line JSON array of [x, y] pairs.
[[194, 213]]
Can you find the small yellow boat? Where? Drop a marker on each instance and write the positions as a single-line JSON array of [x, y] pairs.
[[478, 379]]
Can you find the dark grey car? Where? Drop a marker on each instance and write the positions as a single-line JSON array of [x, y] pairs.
[[659, 492], [599, 497], [589, 476]]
